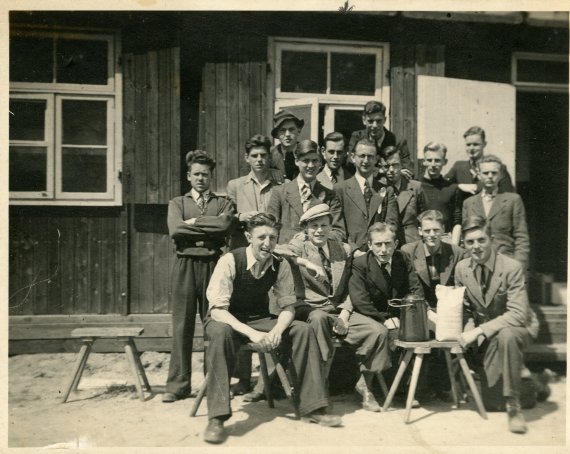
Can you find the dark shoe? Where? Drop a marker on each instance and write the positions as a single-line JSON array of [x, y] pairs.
[[517, 423], [171, 397], [323, 419], [214, 432], [240, 388], [253, 396]]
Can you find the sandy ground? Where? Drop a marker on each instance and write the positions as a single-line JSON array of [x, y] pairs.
[[105, 412]]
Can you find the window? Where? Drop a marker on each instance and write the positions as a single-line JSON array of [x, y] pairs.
[[65, 123], [544, 72]]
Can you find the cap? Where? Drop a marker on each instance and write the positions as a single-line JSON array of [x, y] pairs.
[[281, 117], [317, 211]]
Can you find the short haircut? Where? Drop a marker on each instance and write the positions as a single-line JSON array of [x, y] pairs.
[[372, 107], [258, 140], [366, 142], [305, 147], [334, 137], [431, 215], [490, 158], [436, 146], [200, 157], [385, 153], [263, 220], [475, 223], [381, 227], [473, 131]]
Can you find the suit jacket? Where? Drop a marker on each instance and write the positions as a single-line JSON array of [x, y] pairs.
[[411, 202], [460, 173], [241, 191], [369, 291], [325, 180], [507, 220], [356, 218], [286, 206], [450, 256]]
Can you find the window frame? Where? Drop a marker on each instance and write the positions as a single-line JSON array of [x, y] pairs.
[[536, 86]]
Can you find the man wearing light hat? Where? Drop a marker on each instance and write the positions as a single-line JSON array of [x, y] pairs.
[[286, 128], [323, 301]]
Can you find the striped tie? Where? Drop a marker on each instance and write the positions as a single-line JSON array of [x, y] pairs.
[[202, 203], [306, 196], [367, 194]]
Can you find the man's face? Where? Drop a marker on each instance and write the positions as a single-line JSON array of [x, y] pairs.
[[258, 159], [478, 244], [431, 232], [474, 146], [433, 163], [374, 124], [309, 166], [364, 158], [383, 244], [318, 230], [288, 133], [489, 175], [263, 240], [333, 154], [391, 168], [199, 177]]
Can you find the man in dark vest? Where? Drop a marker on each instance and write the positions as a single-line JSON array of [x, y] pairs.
[[239, 313]]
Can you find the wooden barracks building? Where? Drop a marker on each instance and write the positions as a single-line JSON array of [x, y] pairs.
[[104, 106]]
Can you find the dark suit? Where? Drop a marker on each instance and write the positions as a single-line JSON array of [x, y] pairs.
[[284, 162], [507, 220], [344, 174], [460, 173], [411, 202], [356, 218], [285, 205]]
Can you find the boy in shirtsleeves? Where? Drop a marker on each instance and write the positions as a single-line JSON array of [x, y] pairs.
[[239, 313], [198, 222]]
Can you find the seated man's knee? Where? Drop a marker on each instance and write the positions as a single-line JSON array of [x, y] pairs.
[[318, 317], [218, 330], [508, 335]]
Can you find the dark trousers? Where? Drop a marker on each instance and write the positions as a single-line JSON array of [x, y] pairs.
[[368, 336], [298, 339], [190, 279]]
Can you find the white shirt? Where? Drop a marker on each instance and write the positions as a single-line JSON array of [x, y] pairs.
[[301, 183], [195, 194], [261, 199], [388, 265], [360, 179], [488, 201], [328, 173]]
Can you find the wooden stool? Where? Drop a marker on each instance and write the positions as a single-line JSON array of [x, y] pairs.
[[89, 336], [285, 381], [420, 349]]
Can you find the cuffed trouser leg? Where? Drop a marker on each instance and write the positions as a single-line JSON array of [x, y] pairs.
[[371, 340]]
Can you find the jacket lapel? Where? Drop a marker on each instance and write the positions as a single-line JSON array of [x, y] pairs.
[[294, 198], [478, 205], [376, 275], [420, 263], [404, 196], [249, 192], [353, 191], [496, 207], [472, 283], [314, 257], [446, 263], [493, 286]]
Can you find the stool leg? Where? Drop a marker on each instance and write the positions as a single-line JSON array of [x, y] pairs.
[[287, 383], [199, 397], [451, 377], [401, 369], [140, 367], [265, 378], [132, 362], [472, 385], [414, 383], [78, 368]]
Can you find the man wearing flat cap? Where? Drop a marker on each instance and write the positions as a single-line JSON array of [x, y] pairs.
[[286, 128], [323, 301]]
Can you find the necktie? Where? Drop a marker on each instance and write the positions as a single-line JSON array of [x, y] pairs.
[[482, 278], [334, 176], [327, 267], [433, 267], [306, 196], [367, 194], [489, 196], [386, 274], [202, 203]]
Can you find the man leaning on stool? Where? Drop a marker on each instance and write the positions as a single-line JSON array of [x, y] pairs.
[[239, 313], [496, 309]]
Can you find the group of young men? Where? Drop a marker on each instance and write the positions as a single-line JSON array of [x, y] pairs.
[[320, 239]]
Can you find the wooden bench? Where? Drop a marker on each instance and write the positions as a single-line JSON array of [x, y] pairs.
[[125, 335]]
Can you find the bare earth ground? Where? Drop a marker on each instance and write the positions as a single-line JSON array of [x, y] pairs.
[[106, 412]]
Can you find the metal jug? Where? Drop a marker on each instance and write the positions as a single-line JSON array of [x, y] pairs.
[[413, 318]]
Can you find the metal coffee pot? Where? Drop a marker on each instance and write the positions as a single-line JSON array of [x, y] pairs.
[[413, 318]]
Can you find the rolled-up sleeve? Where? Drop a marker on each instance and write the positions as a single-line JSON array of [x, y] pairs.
[[284, 289], [221, 284]]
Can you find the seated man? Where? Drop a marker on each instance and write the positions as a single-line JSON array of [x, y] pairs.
[[497, 314], [325, 304], [239, 313]]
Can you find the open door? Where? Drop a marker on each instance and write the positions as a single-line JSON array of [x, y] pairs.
[[448, 107], [306, 109]]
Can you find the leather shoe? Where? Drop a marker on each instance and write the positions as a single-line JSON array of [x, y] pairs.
[[369, 402], [517, 423], [214, 432], [240, 388], [322, 418], [171, 397], [254, 396]]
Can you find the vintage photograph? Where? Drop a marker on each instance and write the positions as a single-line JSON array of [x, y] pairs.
[[344, 227]]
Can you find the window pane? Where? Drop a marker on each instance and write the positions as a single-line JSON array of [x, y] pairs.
[[546, 72], [84, 122], [353, 74], [28, 168], [304, 72], [84, 169], [27, 119], [31, 59], [81, 62], [347, 121]]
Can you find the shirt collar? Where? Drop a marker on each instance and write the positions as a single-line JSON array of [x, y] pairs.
[[380, 263], [251, 176], [492, 194], [489, 264], [328, 171], [360, 179], [427, 252], [195, 194], [252, 261], [301, 182]]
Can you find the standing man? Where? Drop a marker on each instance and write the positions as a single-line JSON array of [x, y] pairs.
[[497, 314], [373, 118], [504, 212], [334, 156], [286, 128], [465, 173], [409, 195], [198, 222], [239, 313], [441, 194], [365, 200], [289, 201]]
